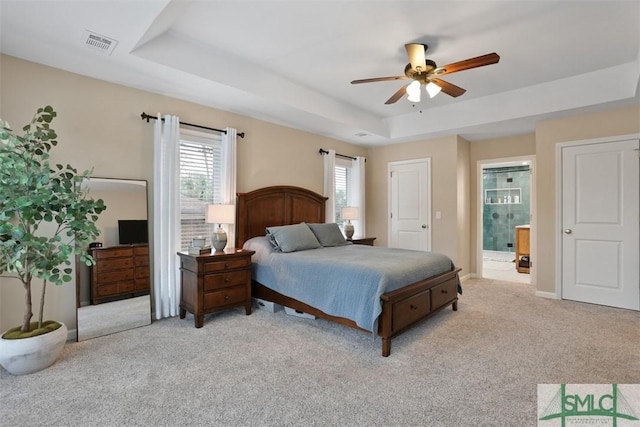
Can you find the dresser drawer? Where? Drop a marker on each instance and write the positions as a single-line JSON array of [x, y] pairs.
[[112, 253], [409, 310], [224, 280], [141, 272], [141, 250], [107, 290], [126, 287], [142, 284], [228, 296], [442, 294], [141, 261], [115, 275], [113, 264], [231, 264]]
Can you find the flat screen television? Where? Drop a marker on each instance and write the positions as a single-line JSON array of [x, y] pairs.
[[133, 231]]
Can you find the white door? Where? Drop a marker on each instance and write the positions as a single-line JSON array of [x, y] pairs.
[[410, 203], [600, 224]]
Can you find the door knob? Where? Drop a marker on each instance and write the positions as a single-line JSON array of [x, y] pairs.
[[424, 225], [567, 231]]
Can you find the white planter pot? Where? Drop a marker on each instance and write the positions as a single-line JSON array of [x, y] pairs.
[[28, 355]]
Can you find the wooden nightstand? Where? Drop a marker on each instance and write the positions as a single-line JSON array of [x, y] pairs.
[[214, 282], [362, 241]]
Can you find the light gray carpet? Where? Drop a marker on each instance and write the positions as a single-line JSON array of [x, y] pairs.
[[479, 366]]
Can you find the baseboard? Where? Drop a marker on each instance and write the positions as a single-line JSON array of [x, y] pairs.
[[72, 335], [549, 295], [467, 277]]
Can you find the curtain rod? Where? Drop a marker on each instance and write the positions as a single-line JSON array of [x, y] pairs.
[[322, 151], [146, 117]]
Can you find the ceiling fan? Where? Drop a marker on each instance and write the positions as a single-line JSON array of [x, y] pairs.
[[425, 72]]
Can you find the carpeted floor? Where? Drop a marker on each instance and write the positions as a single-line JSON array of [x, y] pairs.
[[479, 366]]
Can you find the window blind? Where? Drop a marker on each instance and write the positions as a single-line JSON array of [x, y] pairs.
[[342, 184], [200, 184]]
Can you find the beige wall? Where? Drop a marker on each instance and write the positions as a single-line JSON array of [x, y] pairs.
[[443, 153], [625, 121], [464, 213], [500, 148], [99, 126]]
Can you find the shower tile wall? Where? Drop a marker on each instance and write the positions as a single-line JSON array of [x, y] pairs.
[[500, 219]]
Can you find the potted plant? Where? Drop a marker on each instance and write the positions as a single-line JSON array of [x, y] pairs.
[[45, 217]]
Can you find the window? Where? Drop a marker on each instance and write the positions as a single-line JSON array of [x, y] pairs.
[[200, 183], [342, 180]]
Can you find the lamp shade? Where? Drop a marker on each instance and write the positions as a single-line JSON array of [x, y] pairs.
[[432, 89], [349, 213], [221, 214]]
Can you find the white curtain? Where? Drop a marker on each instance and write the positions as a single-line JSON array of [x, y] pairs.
[[357, 195], [330, 185], [166, 216], [229, 178]]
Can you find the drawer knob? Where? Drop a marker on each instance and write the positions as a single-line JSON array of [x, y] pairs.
[[444, 291], [226, 297], [413, 307], [226, 265], [227, 280]]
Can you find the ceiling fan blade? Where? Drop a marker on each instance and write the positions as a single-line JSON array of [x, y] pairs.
[[449, 88], [479, 61], [396, 96], [416, 54], [379, 79]]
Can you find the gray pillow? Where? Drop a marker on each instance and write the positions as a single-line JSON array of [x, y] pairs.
[[292, 238], [328, 234]]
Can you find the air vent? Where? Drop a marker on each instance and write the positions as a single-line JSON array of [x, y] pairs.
[[362, 134], [99, 42]]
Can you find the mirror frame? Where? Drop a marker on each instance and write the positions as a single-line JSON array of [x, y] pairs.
[[79, 265]]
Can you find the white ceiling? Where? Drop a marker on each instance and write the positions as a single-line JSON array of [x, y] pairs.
[[291, 62]]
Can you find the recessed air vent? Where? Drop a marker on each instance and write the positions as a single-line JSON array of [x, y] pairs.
[[99, 42]]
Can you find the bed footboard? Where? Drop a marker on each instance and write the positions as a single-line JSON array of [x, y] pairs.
[[401, 309]]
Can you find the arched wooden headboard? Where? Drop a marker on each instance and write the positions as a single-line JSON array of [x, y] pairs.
[[274, 206]]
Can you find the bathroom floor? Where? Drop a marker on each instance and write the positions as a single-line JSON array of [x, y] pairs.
[[501, 266]]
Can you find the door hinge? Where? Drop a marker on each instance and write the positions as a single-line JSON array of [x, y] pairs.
[[391, 215], [390, 174]]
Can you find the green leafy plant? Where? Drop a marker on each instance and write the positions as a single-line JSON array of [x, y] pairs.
[[45, 215]]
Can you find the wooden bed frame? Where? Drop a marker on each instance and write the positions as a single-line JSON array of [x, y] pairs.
[[285, 205]]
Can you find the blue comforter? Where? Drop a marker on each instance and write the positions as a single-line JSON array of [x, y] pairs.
[[345, 281]]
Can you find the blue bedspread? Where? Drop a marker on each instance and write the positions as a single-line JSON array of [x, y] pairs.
[[345, 281]]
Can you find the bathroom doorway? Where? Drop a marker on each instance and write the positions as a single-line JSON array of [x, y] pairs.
[[505, 219]]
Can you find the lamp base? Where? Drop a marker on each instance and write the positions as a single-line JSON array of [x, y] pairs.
[[348, 230], [219, 240]]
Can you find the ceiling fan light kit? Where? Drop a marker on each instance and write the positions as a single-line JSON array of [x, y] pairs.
[[425, 72]]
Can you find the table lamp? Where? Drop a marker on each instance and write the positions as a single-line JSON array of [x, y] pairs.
[[349, 213], [220, 214]]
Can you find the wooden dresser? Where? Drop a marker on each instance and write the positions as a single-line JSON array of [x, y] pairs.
[[119, 272], [213, 282]]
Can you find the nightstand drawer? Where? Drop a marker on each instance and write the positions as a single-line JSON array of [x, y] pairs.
[[442, 294], [407, 311], [227, 265], [224, 280], [229, 296]]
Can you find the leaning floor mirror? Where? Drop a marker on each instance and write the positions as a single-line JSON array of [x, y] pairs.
[[114, 294]]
